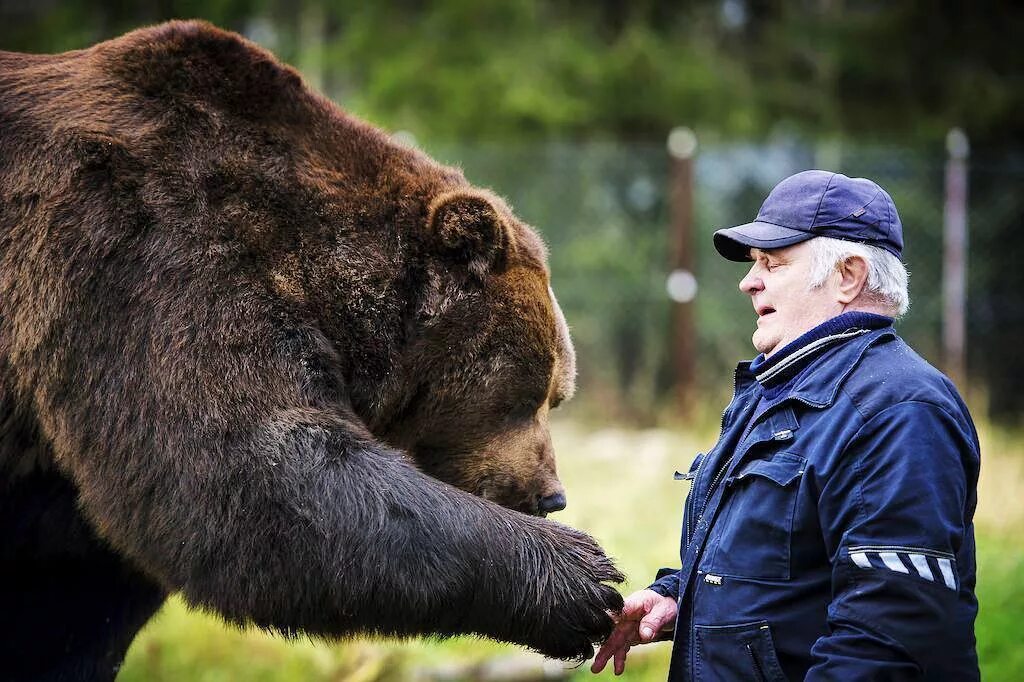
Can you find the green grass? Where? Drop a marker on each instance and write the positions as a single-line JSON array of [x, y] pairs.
[[1000, 627], [621, 490]]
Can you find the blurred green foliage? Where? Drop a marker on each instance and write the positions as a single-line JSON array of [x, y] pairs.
[[464, 69], [563, 107], [603, 208]]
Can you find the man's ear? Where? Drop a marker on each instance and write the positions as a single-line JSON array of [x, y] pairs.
[[467, 230], [853, 277]]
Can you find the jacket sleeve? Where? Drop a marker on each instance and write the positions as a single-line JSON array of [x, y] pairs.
[[895, 516], [666, 583]]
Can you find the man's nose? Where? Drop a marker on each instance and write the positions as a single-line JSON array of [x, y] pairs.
[[751, 283]]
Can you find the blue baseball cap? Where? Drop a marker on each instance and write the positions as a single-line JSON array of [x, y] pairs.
[[817, 203]]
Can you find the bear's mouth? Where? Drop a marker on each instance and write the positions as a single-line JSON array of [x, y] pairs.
[[488, 491], [531, 509]]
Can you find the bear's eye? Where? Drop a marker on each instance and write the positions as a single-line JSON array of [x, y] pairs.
[[556, 401], [523, 410]]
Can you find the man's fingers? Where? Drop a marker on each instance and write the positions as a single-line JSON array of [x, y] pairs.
[[635, 605], [621, 638], [664, 612], [604, 653], [620, 660], [633, 608], [623, 635], [601, 660], [616, 641], [643, 615]]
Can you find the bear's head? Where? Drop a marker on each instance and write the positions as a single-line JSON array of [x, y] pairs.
[[450, 342], [428, 300], [491, 357]]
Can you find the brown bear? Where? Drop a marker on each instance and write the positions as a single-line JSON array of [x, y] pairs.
[[254, 351]]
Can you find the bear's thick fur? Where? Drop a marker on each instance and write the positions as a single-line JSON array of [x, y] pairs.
[[253, 351]]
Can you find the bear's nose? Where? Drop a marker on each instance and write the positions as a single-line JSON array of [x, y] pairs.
[[552, 503]]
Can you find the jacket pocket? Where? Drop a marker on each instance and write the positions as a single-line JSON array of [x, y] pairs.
[[736, 652], [754, 532]]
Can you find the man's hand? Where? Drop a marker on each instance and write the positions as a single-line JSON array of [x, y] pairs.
[[644, 614]]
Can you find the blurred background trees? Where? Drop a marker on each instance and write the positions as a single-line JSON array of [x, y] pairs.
[[564, 106], [465, 69]]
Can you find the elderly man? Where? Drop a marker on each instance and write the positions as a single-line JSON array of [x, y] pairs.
[[828, 535]]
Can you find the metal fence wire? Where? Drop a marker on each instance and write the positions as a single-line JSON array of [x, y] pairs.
[[603, 210]]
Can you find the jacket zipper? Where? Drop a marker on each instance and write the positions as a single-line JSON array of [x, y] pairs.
[[757, 664], [727, 464], [696, 475], [690, 500]]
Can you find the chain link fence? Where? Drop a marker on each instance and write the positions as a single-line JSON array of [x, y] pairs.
[[603, 209]]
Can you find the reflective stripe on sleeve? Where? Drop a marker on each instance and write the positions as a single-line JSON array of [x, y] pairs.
[[861, 559], [947, 573], [892, 562], [898, 559], [921, 565]]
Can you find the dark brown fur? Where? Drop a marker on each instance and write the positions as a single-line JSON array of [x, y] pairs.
[[237, 328]]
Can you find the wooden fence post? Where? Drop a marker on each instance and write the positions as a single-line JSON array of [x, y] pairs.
[[954, 260], [682, 283]]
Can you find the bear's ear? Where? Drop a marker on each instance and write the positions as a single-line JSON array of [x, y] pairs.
[[468, 230]]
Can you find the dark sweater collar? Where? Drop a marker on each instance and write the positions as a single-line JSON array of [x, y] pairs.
[[788, 361]]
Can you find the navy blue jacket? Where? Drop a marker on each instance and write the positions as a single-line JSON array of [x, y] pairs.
[[829, 533]]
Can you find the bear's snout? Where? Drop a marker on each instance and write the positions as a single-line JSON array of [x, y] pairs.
[[552, 503]]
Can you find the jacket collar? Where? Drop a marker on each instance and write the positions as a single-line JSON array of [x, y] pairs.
[[819, 382], [787, 362]]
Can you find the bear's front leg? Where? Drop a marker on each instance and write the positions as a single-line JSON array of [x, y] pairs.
[[304, 525]]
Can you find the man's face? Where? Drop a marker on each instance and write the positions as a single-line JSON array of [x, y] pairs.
[[786, 306]]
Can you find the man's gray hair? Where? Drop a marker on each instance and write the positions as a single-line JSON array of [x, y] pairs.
[[887, 275]]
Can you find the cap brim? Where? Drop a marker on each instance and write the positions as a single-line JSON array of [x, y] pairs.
[[734, 243]]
